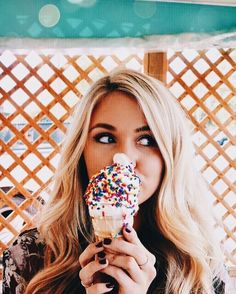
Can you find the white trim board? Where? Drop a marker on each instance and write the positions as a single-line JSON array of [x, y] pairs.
[[206, 2], [155, 43]]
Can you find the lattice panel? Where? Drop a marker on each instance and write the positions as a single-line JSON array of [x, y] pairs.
[[205, 84], [38, 92]]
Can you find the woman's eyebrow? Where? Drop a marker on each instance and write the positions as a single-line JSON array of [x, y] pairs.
[[104, 126], [142, 129], [112, 128]]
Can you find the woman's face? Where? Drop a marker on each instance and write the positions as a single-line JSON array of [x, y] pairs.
[[119, 126]]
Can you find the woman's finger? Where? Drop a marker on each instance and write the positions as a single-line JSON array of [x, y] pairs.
[[87, 272], [131, 236], [89, 253], [122, 247], [100, 288], [119, 275], [128, 264]]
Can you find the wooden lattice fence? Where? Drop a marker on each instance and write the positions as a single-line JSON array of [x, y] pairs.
[[204, 82]]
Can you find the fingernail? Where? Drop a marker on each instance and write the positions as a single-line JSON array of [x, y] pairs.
[[101, 254], [99, 245], [127, 230], [110, 285], [107, 241], [103, 261]]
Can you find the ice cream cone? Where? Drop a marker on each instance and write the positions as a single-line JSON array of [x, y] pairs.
[[107, 227], [111, 197], [110, 223]]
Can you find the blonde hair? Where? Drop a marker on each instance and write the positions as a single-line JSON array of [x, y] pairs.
[[179, 213]]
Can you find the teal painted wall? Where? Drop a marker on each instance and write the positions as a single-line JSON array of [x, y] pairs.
[[113, 18]]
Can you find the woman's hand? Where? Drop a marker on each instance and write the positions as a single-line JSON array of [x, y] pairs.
[[132, 266], [90, 266]]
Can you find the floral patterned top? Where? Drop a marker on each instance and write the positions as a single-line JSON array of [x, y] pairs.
[[22, 261], [25, 258]]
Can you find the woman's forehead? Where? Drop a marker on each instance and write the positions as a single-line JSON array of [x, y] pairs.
[[117, 107]]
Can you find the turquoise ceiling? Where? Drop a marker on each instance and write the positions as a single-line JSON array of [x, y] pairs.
[[110, 18]]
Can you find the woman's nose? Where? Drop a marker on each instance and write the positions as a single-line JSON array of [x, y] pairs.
[[130, 152]]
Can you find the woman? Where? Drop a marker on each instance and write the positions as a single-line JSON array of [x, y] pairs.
[[170, 249]]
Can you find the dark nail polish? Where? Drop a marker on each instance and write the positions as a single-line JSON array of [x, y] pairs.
[[107, 241], [110, 285], [101, 254], [99, 245], [127, 230], [103, 261]]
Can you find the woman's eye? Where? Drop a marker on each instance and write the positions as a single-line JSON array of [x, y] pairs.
[[147, 141], [104, 139]]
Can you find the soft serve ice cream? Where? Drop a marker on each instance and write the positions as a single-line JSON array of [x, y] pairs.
[[112, 197]]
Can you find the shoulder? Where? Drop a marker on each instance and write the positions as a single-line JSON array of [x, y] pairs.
[[27, 242], [23, 259], [29, 238]]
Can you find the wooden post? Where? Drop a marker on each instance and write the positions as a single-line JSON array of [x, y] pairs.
[[155, 65]]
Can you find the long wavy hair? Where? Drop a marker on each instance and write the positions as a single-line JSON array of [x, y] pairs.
[[180, 217]]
